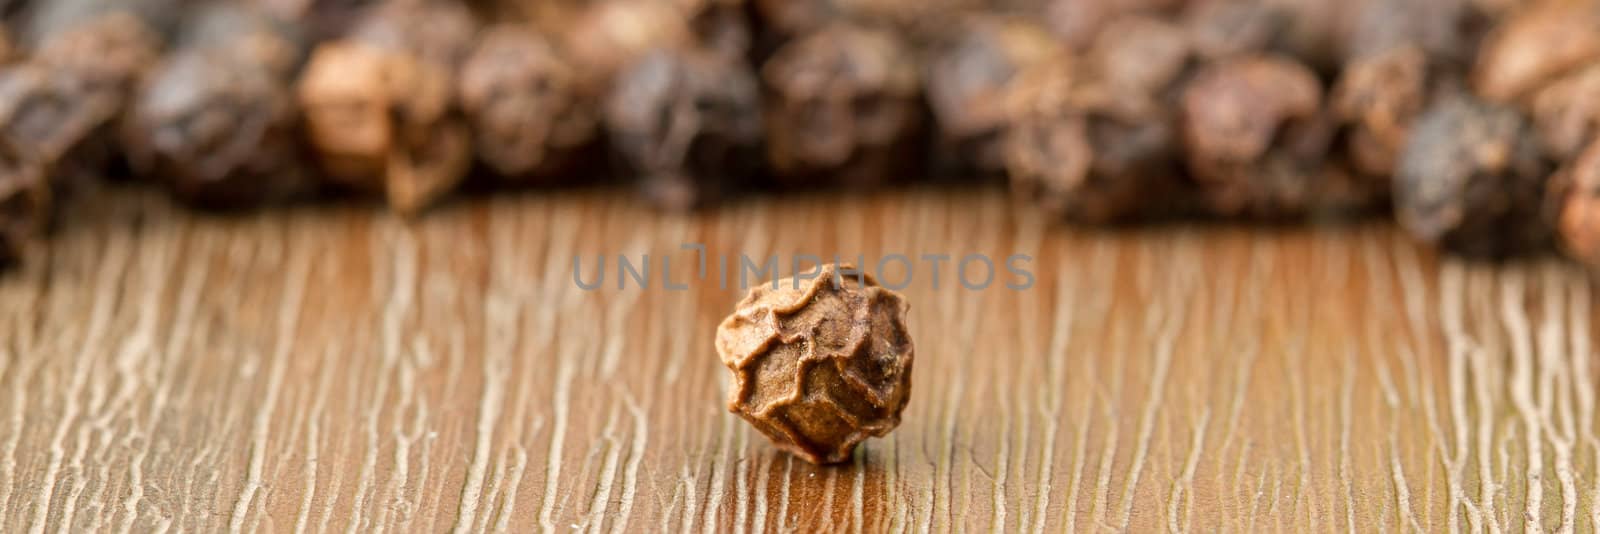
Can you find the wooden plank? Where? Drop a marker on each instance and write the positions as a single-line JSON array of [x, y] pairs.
[[340, 369]]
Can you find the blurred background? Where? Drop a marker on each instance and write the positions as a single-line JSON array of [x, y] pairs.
[[1471, 122]]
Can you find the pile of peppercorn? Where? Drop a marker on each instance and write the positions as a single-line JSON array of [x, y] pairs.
[[1476, 121]]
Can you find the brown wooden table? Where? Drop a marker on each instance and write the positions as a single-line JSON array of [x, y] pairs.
[[340, 369]]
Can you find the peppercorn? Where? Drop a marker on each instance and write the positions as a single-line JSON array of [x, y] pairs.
[[216, 121], [522, 100], [966, 81], [1471, 179], [380, 104], [819, 365], [1094, 138], [687, 124], [842, 106]]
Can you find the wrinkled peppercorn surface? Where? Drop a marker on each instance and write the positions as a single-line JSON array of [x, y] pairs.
[[819, 366]]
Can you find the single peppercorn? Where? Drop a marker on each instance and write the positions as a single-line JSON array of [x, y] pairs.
[[217, 120], [687, 125], [1471, 179], [528, 116], [380, 104], [819, 365], [842, 106]]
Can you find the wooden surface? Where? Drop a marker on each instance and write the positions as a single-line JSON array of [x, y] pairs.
[[338, 369]]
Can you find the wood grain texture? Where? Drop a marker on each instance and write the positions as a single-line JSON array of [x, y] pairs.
[[339, 369]]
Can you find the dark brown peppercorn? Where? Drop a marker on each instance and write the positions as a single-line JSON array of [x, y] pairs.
[[380, 104], [687, 125], [966, 82], [526, 110], [819, 365], [842, 106], [1471, 180], [216, 121]]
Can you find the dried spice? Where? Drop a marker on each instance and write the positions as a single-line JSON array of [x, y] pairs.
[[966, 82], [1472, 180], [819, 365], [380, 104], [1095, 138], [217, 121], [1257, 140], [1579, 224], [522, 100], [687, 125], [842, 106]]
